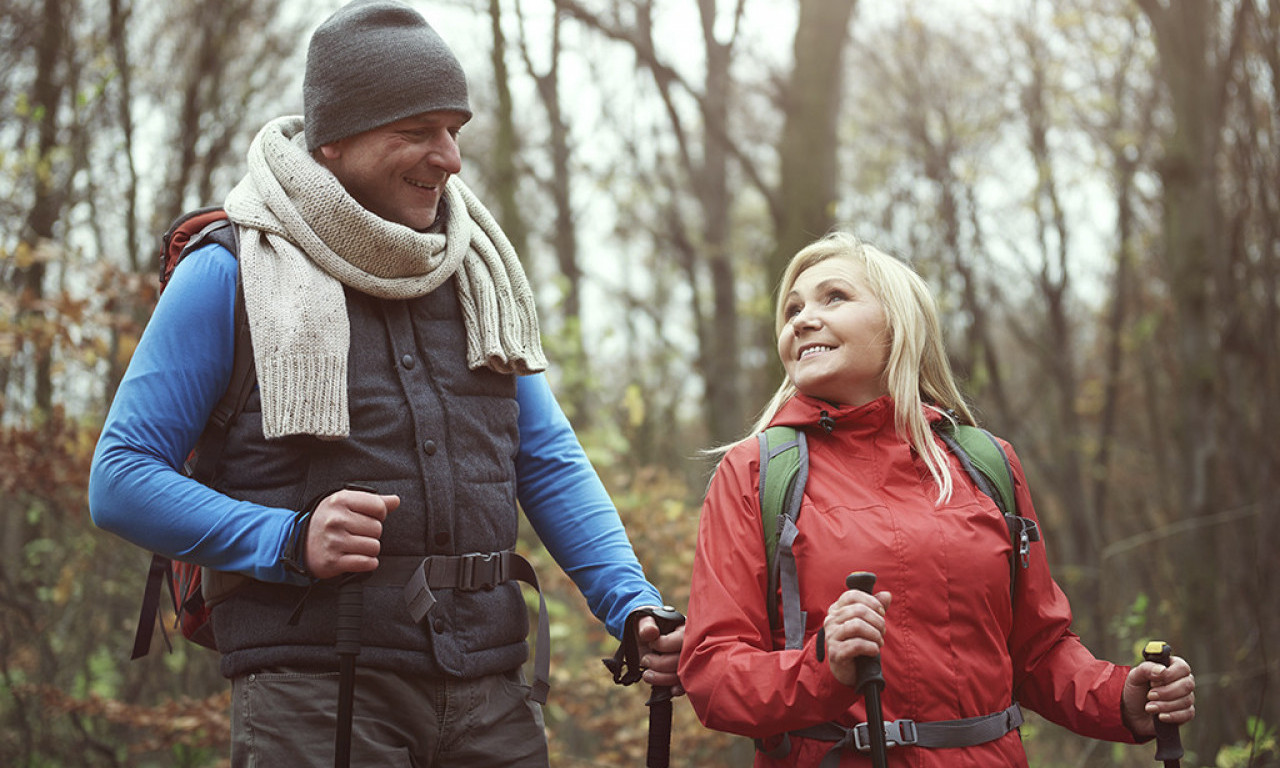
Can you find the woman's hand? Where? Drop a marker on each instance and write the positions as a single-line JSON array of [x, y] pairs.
[[1154, 690], [855, 626]]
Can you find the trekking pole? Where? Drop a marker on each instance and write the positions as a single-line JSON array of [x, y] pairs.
[[1168, 742], [870, 680], [347, 636], [350, 614], [660, 697], [627, 670]]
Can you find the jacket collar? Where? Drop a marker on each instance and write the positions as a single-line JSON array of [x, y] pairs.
[[802, 412]]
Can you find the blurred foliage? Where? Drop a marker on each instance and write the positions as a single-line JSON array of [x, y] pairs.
[[70, 597], [1090, 185], [1261, 748]]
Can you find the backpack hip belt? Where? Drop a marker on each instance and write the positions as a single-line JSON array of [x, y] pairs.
[[468, 573], [968, 732]]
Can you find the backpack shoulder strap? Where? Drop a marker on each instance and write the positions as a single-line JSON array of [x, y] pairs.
[[204, 461], [982, 453], [986, 463], [784, 470], [781, 450], [177, 240]]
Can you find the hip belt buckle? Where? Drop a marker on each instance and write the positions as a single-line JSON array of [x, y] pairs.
[[478, 571], [899, 733]]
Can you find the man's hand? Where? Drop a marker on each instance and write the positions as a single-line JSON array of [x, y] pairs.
[[660, 653], [344, 533]]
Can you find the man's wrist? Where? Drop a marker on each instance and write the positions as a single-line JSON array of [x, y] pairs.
[[294, 555]]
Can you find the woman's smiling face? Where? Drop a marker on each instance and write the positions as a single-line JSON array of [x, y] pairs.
[[835, 340]]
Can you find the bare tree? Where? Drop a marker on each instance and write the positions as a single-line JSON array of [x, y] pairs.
[[1055, 337], [810, 102], [1200, 49], [701, 244], [223, 79], [564, 229], [801, 204], [929, 111], [504, 166], [49, 180]]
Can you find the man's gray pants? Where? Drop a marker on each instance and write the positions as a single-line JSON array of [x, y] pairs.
[[288, 717]]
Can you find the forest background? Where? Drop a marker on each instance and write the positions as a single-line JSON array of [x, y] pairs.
[[1091, 186]]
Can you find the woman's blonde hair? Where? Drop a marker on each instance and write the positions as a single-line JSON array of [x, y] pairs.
[[918, 373]]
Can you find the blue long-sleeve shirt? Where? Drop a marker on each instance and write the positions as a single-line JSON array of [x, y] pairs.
[[179, 371]]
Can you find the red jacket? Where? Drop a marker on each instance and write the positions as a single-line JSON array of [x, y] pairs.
[[956, 646]]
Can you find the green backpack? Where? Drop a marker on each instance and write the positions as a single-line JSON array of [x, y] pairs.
[[784, 470]]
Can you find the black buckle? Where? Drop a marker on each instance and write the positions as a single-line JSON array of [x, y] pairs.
[[899, 733], [493, 571]]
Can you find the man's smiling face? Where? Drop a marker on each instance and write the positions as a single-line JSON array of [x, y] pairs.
[[398, 171]]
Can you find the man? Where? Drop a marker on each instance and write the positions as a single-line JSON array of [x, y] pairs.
[[398, 419]]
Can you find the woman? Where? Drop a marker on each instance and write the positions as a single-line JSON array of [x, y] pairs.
[[867, 380]]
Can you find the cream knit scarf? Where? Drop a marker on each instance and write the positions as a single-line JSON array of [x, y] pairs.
[[302, 237]]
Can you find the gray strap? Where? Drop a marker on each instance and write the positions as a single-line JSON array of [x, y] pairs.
[[967, 732], [468, 573], [970, 731], [793, 619]]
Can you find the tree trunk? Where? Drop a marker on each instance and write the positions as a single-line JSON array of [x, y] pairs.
[[503, 167], [808, 144], [721, 352], [46, 206], [1186, 36]]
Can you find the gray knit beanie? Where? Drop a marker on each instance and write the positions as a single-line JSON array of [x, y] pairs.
[[374, 62]]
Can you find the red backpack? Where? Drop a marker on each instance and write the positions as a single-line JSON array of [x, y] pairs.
[[187, 233]]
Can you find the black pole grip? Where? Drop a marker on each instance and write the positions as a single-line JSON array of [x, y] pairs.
[[350, 614], [861, 581], [870, 680], [351, 601], [1168, 741], [869, 672]]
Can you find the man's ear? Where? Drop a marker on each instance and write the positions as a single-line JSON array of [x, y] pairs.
[[331, 151]]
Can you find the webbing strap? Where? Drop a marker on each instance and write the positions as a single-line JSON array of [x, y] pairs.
[[793, 618], [988, 466], [203, 463], [784, 472], [157, 577], [942, 734], [469, 573]]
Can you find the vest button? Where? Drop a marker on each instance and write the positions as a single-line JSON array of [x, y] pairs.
[[408, 362], [429, 447], [442, 538], [438, 626]]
